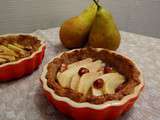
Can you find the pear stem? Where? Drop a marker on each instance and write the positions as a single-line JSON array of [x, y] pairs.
[[96, 2]]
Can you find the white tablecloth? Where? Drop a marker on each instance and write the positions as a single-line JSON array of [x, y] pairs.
[[23, 99]]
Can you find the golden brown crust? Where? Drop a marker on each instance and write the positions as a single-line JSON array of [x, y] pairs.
[[30, 43], [122, 65]]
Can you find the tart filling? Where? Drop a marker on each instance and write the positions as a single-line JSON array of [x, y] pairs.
[[92, 75], [13, 48]]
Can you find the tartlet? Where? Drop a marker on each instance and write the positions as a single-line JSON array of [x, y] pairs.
[[80, 104], [20, 54]]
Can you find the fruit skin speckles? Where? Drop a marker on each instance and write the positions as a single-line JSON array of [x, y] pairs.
[[63, 67], [83, 71], [99, 83]]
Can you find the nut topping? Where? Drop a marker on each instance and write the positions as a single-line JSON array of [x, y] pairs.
[[107, 69], [83, 71], [63, 67], [98, 84]]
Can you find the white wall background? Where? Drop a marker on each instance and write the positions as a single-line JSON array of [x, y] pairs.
[[139, 16]]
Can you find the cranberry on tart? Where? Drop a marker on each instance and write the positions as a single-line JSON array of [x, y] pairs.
[[96, 80]]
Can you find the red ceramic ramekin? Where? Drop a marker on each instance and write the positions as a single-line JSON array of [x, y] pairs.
[[24, 66], [110, 110]]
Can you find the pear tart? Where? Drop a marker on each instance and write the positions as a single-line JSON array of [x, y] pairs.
[[16, 50], [80, 73], [92, 81]]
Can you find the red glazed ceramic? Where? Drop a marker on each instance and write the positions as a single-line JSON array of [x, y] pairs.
[[24, 66], [110, 110]]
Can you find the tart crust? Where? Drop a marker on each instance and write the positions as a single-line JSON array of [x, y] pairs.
[[123, 65]]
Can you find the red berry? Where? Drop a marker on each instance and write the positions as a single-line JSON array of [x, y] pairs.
[[107, 69], [83, 71], [99, 83]]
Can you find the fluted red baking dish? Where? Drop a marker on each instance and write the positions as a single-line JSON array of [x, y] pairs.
[[109, 110]]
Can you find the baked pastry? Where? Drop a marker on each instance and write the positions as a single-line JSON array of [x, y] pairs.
[[92, 81], [20, 54]]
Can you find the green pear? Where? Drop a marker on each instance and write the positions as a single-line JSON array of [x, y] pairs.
[[74, 32], [104, 32]]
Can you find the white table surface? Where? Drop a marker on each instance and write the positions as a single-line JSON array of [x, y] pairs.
[[23, 99]]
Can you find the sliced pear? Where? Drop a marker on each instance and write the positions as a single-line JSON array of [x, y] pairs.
[[112, 81], [16, 49], [95, 66], [19, 46], [7, 51], [86, 81], [10, 58], [74, 82], [2, 60], [92, 67], [97, 92], [23, 47], [82, 62], [64, 78]]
